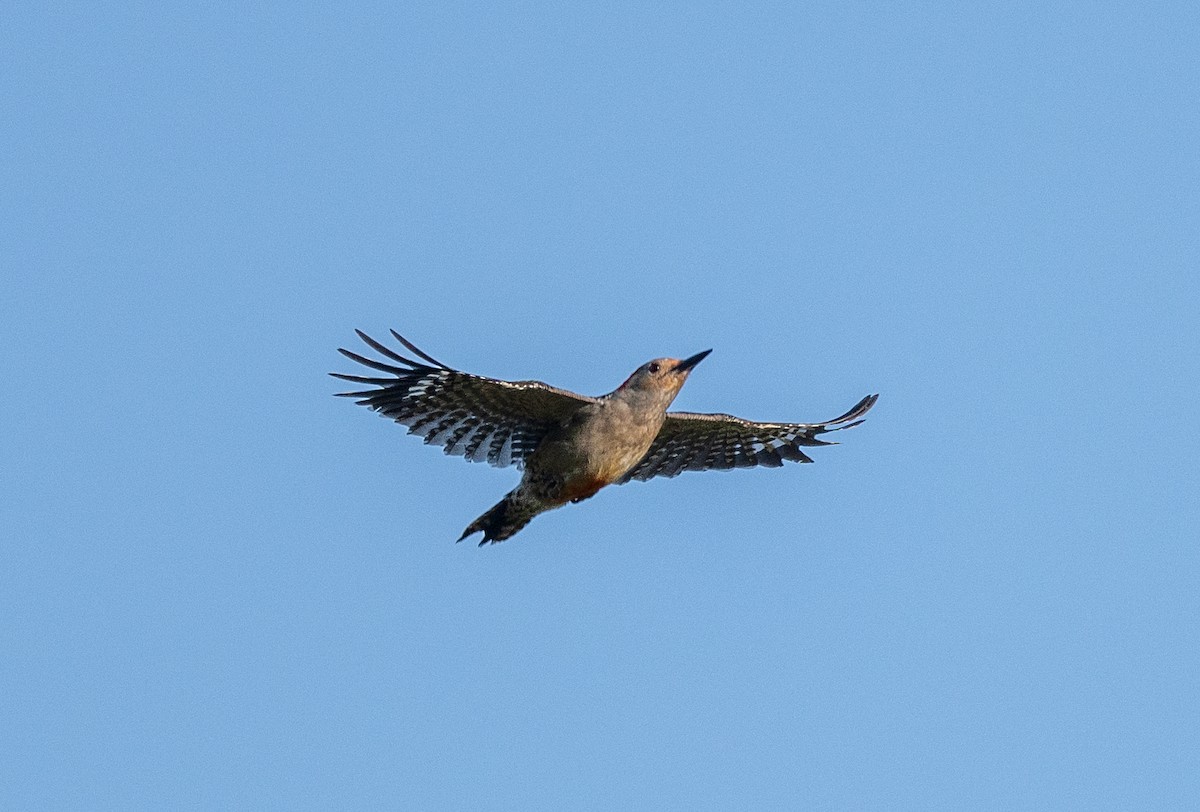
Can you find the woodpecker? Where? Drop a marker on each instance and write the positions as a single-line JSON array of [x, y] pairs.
[[572, 445]]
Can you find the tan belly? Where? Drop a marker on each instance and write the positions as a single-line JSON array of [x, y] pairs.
[[584, 458]]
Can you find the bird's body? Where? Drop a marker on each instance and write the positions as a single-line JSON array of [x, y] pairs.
[[573, 445], [595, 447]]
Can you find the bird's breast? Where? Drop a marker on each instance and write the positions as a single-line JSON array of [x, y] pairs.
[[596, 448]]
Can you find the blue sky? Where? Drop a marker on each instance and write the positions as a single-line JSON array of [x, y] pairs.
[[223, 587]]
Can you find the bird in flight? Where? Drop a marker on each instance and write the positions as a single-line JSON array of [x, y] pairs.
[[569, 445]]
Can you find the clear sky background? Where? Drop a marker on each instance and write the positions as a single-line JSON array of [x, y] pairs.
[[221, 586]]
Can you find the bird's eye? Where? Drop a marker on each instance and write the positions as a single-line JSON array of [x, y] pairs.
[[653, 369]]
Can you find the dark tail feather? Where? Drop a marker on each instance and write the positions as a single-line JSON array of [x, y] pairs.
[[504, 519]]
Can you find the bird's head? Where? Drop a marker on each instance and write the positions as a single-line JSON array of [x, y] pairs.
[[663, 377]]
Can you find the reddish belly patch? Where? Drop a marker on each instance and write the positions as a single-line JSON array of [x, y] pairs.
[[582, 488]]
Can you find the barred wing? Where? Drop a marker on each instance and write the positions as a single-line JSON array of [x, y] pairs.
[[479, 418], [703, 442]]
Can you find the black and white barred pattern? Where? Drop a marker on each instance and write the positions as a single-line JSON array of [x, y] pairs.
[[481, 419], [703, 442]]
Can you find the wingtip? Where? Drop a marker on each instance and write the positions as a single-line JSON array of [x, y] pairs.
[[855, 413], [413, 348], [865, 405]]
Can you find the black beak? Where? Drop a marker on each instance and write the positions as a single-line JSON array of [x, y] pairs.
[[688, 363]]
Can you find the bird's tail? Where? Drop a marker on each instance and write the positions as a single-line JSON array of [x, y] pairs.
[[505, 518]]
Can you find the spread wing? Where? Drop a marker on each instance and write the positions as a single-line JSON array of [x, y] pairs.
[[479, 418], [703, 442]]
